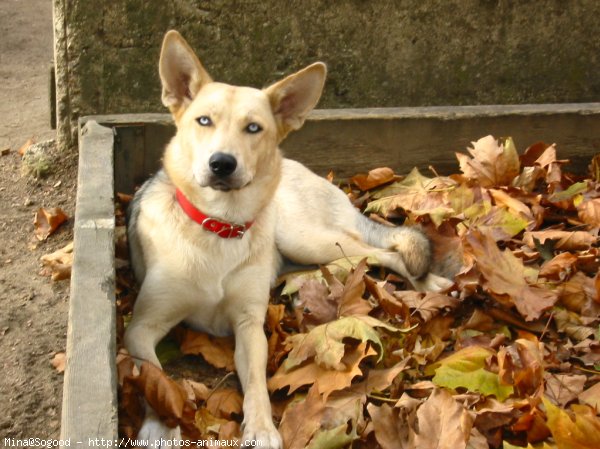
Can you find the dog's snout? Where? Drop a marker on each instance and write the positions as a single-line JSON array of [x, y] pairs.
[[222, 164]]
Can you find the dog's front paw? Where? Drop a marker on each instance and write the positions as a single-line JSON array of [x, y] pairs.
[[263, 436], [155, 434]]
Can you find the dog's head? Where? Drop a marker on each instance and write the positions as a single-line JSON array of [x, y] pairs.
[[228, 135]]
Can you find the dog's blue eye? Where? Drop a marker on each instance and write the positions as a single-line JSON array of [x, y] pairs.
[[253, 128], [204, 120]]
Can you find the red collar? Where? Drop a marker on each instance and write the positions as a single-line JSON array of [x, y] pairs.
[[222, 228]]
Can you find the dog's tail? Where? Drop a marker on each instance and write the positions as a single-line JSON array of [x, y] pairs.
[[416, 251], [409, 241]]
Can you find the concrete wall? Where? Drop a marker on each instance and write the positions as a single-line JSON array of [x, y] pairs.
[[379, 53]]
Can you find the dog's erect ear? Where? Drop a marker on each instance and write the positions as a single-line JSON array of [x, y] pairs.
[[294, 97], [181, 73]]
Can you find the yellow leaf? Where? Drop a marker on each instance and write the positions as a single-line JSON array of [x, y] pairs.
[[577, 430]]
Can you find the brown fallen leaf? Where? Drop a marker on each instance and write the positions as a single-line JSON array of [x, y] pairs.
[[564, 240], [224, 402], [591, 396], [47, 221], [59, 362], [579, 429], [374, 178], [589, 212], [59, 263], [564, 388], [443, 423], [168, 399], [493, 163], [215, 350], [391, 432], [506, 277], [25, 146], [301, 420], [327, 379]]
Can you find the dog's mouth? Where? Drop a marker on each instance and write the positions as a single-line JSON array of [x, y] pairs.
[[224, 185]]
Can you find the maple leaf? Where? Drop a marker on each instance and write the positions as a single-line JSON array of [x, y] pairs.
[[563, 388], [492, 164], [316, 305], [427, 305], [328, 380], [415, 193], [582, 432], [224, 402], [390, 430], [443, 423], [325, 342], [505, 276], [467, 369], [495, 221], [47, 221], [301, 420], [374, 178], [351, 300]]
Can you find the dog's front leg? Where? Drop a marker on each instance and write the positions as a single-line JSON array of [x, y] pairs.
[[247, 317]]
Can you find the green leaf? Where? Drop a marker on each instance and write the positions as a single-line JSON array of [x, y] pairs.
[[572, 191], [333, 438], [168, 350], [466, 369]]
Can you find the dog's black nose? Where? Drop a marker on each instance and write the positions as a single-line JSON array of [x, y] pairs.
[[222, 164]]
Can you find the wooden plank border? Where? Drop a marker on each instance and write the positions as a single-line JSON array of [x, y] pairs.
[[89, 408]]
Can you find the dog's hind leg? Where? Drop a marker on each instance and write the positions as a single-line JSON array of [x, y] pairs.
[[327, 245], [409, 242]]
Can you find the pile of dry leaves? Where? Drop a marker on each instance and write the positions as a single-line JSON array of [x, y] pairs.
[[510, 356]]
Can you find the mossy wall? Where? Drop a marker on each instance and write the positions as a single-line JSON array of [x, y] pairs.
[[379, 53]]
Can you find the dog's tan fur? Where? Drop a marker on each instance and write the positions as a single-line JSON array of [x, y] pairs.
[[221, 286]]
